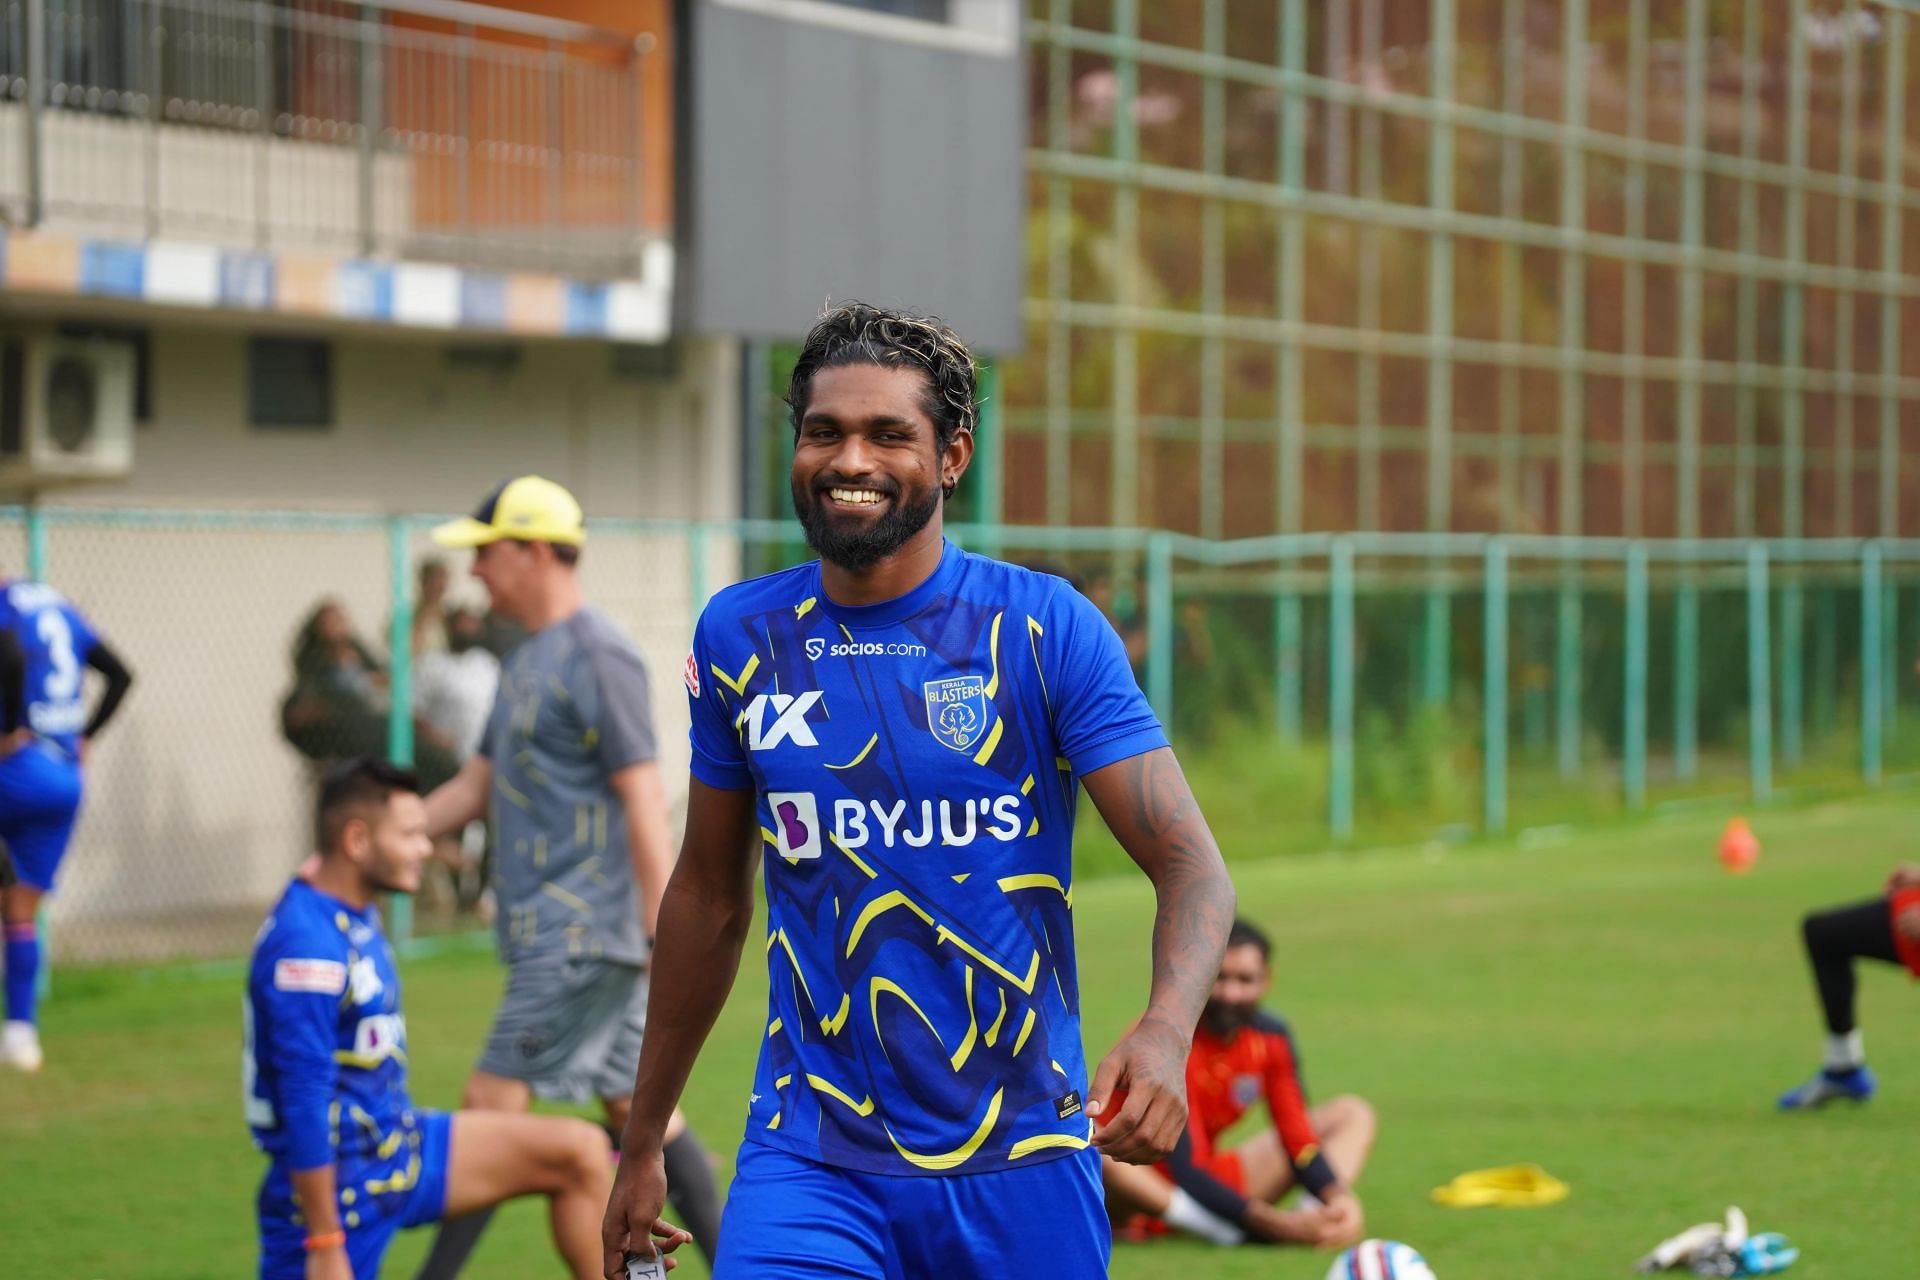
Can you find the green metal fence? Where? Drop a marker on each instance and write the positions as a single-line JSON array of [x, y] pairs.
[[1298, 667]]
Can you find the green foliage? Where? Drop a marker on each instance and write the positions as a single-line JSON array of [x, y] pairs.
[[1416, 771]]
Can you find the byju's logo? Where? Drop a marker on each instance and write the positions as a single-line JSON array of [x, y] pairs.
[[789, 720], [796, 824], [957, 710]]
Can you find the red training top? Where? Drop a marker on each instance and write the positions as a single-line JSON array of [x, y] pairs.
[[1225, 1077]]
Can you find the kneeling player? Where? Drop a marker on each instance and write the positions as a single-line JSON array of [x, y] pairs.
[[1885, 928], [325, 1066], [1242, 1054]]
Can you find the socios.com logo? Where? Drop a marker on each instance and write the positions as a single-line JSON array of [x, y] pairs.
[[817, 648]]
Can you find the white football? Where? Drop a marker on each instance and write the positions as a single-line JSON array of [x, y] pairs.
[[1381, 1260]]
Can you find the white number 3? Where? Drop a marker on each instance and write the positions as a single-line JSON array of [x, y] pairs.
[[63, 682]]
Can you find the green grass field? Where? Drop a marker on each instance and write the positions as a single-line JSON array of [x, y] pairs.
[[1614, 1007]]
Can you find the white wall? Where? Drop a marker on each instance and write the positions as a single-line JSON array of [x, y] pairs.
[[197, 809], [414, 432]]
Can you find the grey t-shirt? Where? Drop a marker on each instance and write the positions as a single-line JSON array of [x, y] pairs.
[[572, 710]]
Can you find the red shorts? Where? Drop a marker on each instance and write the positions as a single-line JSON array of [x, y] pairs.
[[1906, 948]]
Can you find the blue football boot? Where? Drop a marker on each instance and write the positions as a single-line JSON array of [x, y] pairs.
[[1856, 1085]]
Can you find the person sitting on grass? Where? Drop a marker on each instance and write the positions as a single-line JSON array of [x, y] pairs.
[[1241, 1055], [325, 1070], [1886, 928]]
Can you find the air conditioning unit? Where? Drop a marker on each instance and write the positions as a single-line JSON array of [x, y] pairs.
[[66, 410]]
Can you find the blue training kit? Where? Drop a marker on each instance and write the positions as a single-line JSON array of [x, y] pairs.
[[915, 766], [325, 1069]]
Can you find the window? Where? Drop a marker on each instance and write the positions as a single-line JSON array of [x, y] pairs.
[[969, 26], [290, 382], [925, 10]]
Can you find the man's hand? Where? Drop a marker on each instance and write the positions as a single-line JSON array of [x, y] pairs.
[[1342, 1220], [1152, 813], [1150, 1065], [329, 1264], [639, 1193], [1904, 876], [1269, 1225]]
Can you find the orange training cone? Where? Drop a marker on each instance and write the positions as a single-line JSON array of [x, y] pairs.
[[1738, 847]]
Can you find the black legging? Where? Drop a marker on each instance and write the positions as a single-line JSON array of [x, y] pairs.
[[1834, 939]]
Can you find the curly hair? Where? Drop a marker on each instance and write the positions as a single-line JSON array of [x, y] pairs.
[[856, 333]]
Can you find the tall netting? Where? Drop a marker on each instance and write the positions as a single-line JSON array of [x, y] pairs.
[[197, 806], [1332, 688], [263, 647]]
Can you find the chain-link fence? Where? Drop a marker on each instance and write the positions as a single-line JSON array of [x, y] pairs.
[[1337, 687]]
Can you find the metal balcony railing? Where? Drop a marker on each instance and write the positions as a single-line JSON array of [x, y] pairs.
[[417, 129]]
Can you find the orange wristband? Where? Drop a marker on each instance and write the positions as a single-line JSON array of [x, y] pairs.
[[328, 1240]]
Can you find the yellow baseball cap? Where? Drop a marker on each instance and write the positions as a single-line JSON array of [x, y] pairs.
[[526, 508]]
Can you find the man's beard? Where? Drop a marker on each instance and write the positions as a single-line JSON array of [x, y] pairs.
[[858, 547], [1225, 1019], [387, 881]]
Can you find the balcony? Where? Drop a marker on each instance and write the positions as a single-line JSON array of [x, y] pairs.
[[413, 130]]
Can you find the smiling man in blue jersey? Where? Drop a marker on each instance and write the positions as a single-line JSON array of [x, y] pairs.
[[324, 1070], [900, 730]]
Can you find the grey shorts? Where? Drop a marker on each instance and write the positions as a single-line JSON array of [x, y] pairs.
[[572, 1029]]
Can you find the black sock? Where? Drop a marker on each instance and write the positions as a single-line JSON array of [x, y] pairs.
[[454, 1245], [691, 1188]]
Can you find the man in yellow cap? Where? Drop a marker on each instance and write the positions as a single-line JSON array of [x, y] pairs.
[[567, 768]]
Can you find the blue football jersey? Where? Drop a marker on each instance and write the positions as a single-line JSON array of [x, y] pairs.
[[325, 1061], [915, 765], [56, 639]]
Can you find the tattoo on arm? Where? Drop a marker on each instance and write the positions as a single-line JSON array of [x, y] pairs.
[[1165, 833]]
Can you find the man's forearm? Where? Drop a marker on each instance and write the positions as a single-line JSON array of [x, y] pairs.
[[1189, 936], [650, 871], [119, 680], [319, 1204], [649, 847], [1194, 895], [460, 799], [696, 956]]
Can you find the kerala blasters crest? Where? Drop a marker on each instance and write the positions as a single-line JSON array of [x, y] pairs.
[[957, 710]]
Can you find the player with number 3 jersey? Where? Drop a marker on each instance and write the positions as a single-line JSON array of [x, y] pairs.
[[44, 730]]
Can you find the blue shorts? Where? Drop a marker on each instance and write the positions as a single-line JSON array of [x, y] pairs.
[[788, 1218], [39, 801], [415, 1194]]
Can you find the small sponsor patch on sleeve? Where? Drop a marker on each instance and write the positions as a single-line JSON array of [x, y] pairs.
[[321, 977], [1067, 1104], [692, 675]]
